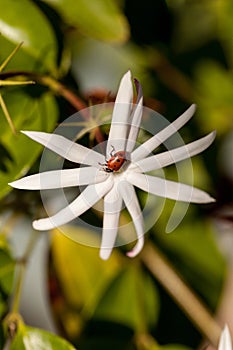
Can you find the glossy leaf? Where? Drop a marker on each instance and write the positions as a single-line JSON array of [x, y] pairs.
[[100, 19], [28, 114], [23, 21], [28, 338]]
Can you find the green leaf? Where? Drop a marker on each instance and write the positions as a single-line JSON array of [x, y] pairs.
[[87, 273], [82, 275], [100, 19], [101, 290], [215, 97], [7, 269], [3, 308], [28, 338], [23, 21], [28, 114], [224, 27], [194, 253], [203, 27], [130, 299], [111, 61], [7, 266]]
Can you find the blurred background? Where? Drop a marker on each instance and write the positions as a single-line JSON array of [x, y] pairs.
[[76, 52]]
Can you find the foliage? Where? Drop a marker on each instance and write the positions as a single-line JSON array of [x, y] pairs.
[[75, 52]]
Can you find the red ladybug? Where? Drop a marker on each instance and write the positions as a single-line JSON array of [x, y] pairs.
[[115, 162]]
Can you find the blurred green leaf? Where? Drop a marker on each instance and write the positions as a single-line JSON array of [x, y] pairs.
[[224, 11], [23, 21], [215, 97], [110, 290], [7, 268], [28, 114], [2, 337], [3, 309], [100, 19], [28, 338], [193, 250], [203, 23], [130, 299], [82, 274], [111, 62], [7, 265]]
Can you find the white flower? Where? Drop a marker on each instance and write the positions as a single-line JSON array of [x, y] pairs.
[[225, 340], [117, 187]]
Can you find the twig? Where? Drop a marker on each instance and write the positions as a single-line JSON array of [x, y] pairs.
[[158, 265]]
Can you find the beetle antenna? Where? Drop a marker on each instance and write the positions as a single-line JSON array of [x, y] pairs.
[[113, 150]]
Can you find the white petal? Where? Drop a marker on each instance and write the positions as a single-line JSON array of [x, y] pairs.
[[91, 195], [66, 148], [168, 189], [175, 155], [147, 147], [120, 117], [135, 119], [61, 178], [131, 201], [112, 209], [225, 340]]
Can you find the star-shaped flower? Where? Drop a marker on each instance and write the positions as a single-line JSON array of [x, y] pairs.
[[225, 340], [117, 187]]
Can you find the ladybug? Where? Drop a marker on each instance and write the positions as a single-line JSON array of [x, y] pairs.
[[115, 162]]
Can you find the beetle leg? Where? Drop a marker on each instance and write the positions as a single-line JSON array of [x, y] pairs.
[[108, 170], [102, 164]]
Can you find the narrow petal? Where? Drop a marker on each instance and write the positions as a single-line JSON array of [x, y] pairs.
[[131, 202], [135, 119], [61, 178], [147, 147], [225, 340], [91, 195], [120, 116], [168, 189], [112, 209], [175, 155], [66, 148]]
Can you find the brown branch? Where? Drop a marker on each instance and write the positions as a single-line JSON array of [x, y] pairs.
[[192, 306]]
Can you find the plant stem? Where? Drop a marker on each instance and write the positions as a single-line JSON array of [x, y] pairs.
[[158, 265], [7, 115], [7, 60], [146, 342], [72, 98], [172, 77], [21, 269], [61, 90], [18, 287]]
